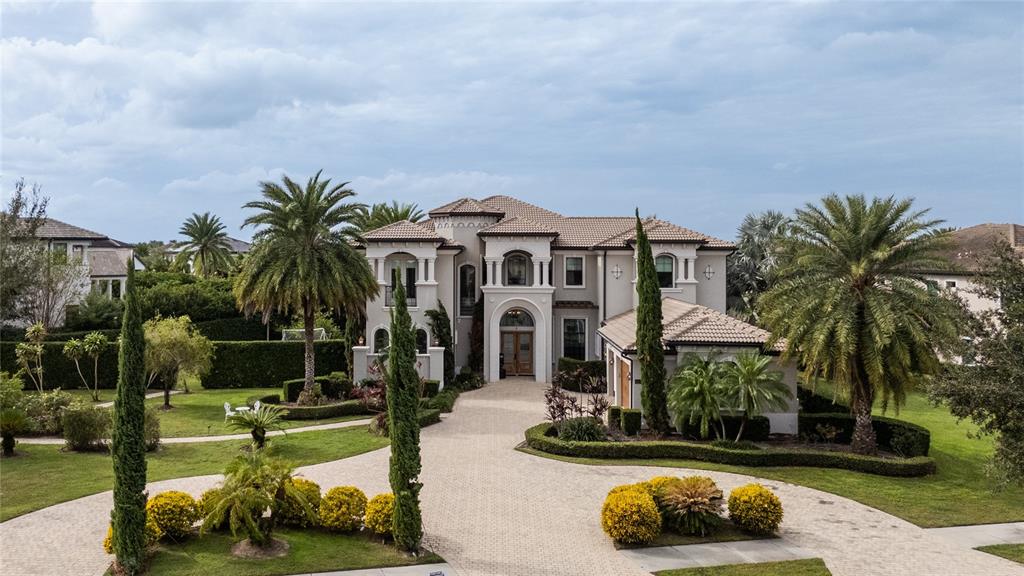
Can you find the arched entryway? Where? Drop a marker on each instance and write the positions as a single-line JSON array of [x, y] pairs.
[[518, 346]]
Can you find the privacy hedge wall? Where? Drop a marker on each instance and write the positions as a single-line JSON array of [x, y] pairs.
[[59, 371], [542, 438], [267, 364], [893, 435]]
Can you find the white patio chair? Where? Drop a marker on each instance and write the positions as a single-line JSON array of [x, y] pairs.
[[256, 406], [228, 412]]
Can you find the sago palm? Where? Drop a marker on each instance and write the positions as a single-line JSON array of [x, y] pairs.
[[851, 305], [754, 388], [697, 395], [257, 422], [303, 259], [207, 245], [382, 214]]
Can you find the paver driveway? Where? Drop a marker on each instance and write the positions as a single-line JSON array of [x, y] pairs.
[[490, 510]]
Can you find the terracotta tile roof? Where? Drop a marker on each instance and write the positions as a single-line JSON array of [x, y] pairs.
[[662, 231], [971, 245], [514, 207], [466, 207], [517, 226], [53, 228], [687, 324], [402, 230]]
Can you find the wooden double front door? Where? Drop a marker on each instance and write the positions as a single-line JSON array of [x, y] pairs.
[[517, 353]]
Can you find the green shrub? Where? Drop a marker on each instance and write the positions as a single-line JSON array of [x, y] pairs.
[[757, 428], [59, 370], [335, 385], [467, 380], [581, 430], [444, 400], [430, 388], [13, 423], [428, 417], [908, 443], [630, 516], [755, 509], [379, 513], [85, 427], [186, 295], [95, 312], [543, 438], [290, 512], [174, 512], [734, 445], [258, 364], [233, 329], [11, 390], [914, 440], [814, 403], [346, 408], [206, 504], [151, 428], [630, 420], [44, 411], [342, 509], [263, 399], [614, 417]]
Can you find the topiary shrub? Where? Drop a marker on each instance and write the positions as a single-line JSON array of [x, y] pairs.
[[614, 417], [153, 535], [755, 509], [691, 505], [630, 421], [291, 512], [85, 428], [342, 509], [630, 516], [174, 512], [379, 511], [581, 430]]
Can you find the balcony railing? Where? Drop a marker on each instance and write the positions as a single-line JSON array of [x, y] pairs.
[[410, 296]]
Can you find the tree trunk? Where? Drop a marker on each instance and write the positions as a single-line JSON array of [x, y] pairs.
[[862, 398], [743, 424], [307, 321], [169, 381], [96, 378], [82, 376], [8, 445]]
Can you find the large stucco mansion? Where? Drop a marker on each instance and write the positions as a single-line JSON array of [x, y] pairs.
[[552, 286]]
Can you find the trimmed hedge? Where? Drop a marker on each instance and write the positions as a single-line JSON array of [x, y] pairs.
[[756, 430], [346, 408], [59, 371], [814, 403], [630, 420], [444, 400], [614, 417], [233, 329], [541, 437], [334, 385], [264, 399], [262, 364], [428, 416], [430, 388], [911, 439], [591, 367]]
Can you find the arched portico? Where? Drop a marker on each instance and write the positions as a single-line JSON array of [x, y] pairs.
[[539, 340]]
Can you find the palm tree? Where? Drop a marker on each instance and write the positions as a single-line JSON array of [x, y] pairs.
[[303, 258], [207, 245], [755, 389], [851, 305], [382, 214], [697, 394], [752, 266]]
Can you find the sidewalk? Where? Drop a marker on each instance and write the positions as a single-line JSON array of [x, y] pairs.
[[421, 570], [983, 534], [715, 554]]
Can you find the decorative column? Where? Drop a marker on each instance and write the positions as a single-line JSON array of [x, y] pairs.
[[430, 269], [379, 262], [681, 270], [691, 266], [421, 266], [538, 267]]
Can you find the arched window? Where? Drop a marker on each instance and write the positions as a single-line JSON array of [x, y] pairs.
[[381, 340], [407, 268], [665, 266], [516, 318], [421, 341], [518, 270], [467, 289]]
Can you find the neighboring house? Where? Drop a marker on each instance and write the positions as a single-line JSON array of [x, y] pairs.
[[548, 283], [238, 248], [967, 254]]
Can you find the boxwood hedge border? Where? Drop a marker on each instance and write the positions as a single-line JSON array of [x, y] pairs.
[[541, 438]]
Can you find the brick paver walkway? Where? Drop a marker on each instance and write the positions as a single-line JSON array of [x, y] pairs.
[[490, 510]]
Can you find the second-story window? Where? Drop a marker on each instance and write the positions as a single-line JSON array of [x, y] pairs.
[[517, 270], [664, 265], [467, 289], [406, 266], [574, 271]]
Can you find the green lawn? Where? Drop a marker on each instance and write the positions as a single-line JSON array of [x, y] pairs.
[[1013, 552], [959, 493], [812, 567], [201, 413], [310, 551], [727, 532], [43, 475]]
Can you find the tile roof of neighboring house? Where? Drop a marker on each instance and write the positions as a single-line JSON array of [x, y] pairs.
[[238, 246], [466, 207], [401, 231], [517, 226], [110, 243], [56, 229], [107, 263], [687, 324], [970, 245]]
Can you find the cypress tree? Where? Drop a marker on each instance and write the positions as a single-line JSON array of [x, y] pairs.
[[441, 326], [128, 444], [403, 426], [649, 350]]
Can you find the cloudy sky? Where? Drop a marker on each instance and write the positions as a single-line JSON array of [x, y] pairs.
[[133, 116]]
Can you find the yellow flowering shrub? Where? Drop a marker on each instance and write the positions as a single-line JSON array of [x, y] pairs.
[[290, 512], [379, 512], [174, 513], [644, 486], [206, 503], [153, 535], [342, 508], [755, 508], [630, 516], [658, 484]]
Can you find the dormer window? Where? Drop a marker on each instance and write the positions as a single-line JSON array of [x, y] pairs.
[[665, 267]]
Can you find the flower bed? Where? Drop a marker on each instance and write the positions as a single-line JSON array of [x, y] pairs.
[[542, 437]]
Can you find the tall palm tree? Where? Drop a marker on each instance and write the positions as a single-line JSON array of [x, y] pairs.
[[382, 214], [752, 266], [754, 388], [207, 245], [303, 258], [851, 305]]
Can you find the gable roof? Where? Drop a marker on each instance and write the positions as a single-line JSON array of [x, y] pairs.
[[688, 324], [970, 246], [403, 230], [465, 207]]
